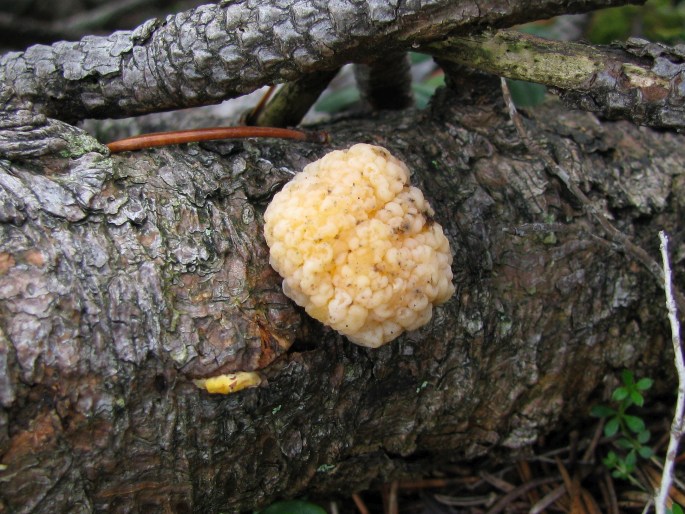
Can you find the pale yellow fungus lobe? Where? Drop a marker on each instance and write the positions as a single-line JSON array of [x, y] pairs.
[[357, 247], [230, 382]]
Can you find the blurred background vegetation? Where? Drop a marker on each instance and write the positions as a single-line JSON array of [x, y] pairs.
[[656, 20]]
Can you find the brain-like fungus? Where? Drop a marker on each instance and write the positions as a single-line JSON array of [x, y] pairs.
[[357, 246]]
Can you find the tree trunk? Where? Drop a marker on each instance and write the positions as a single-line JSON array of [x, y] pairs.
[[124, 277]]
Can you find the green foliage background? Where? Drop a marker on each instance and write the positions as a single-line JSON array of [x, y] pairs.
[[656, 20]]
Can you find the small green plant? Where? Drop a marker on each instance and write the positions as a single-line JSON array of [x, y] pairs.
[[293, 507], [632, 436]]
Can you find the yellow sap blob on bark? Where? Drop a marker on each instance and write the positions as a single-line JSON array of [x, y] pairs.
[[230, 382]]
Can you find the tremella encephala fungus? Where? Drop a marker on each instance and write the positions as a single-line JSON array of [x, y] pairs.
[[357, 247]]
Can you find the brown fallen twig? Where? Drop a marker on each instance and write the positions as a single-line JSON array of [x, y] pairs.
[[207, 134]]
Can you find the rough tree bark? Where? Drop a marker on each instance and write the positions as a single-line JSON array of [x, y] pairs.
[[220, 51], [123, 277]]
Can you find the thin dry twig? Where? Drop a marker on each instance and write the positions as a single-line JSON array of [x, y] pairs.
[[572, 485], [390, 498], [435, 483], [466, 501], [608, 491], [548, 500], [257, 109], [176, 137], [589, 501], [292, 101], [526, 475], [660, 465], [590, 450], [497, 482], [361, 506], [506, 500], [616, 236], [677, 425], [648, 506]]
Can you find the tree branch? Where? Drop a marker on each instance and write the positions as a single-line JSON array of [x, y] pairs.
[[292, 101], [125, 277], [677, 424], [386, 82], [642, 82], [215, 52]]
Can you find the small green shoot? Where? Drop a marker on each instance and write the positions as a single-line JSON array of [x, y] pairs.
[[632, 436]]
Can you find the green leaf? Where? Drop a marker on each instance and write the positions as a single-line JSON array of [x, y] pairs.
[[542, 29], [620, 394], [628, 378], [645, 452], [643, 437], [602, 411], [637, 398], [422, 95], [611, 427], [293, 507], [421, 100], [338, 101], [609, 25], [417, 58], [644, 383], [624, 443], [610, 460], [526, 94], [635, 424], [656, 20], [630, 460], [423, 91], [435, 81]]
